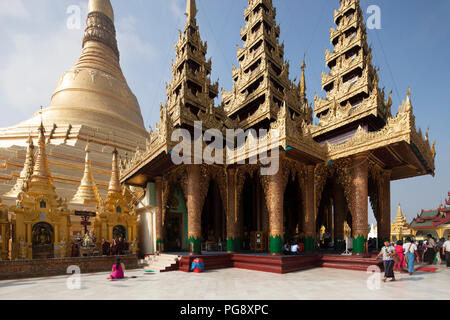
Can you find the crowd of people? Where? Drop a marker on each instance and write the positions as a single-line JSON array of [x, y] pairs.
[[398, 256], [293, 247], [117, 247]]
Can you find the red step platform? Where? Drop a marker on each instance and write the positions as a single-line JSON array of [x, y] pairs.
[[280, 264]]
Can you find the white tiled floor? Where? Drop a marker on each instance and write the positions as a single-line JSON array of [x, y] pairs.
[[233, 284]]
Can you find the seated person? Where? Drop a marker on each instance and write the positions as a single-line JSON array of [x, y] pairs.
[[286, 249], [301, 247], [118, 271], [294, 249], [106, 248]]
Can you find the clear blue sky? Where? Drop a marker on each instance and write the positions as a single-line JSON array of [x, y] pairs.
[[412, 49]]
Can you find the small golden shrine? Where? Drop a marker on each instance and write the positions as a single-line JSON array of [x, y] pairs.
[[400, 228], [117, 217], [41, 218]]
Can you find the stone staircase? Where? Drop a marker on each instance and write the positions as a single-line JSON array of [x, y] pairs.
[[162, 263]]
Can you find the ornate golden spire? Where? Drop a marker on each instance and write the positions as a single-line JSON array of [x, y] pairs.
[[41, 171], [87, 193], [100, 25], [102, 6], [191, 11], [114, 183], [303, 84], [24, 179]]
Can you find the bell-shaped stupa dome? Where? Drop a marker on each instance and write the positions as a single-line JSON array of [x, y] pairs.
[[95, 92]]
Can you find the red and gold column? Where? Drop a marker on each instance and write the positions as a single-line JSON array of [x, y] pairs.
[[309, 210], [384, 198], [275, 198], [194, 207], [233, 239], [158, 217], [360, 203]]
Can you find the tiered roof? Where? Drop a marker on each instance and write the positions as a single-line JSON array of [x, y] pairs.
[[351, 85], [430, 219], [261, 84], [190, 91]]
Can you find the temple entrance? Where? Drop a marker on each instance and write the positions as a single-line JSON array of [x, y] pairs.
[[174, 225], [43, 241], [325, 218], [119, 232], [292, 211], [214, 220], [255, 217]]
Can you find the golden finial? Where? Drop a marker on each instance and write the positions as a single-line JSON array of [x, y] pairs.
[[408, 93], [114, 183]]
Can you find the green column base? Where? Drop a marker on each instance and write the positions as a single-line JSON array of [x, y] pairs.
[[276, 245], [234, 244], [359, 244], [309, 244], [339, 244], [159, 245], [195, 246]]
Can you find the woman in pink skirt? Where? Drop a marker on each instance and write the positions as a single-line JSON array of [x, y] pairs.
[[399, 249], [117, 271]]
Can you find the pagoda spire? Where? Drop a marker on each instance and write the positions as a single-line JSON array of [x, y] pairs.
[[261, 83], [303, 83], [87, 193], [41, 171], [24, 179], [191, 12], [100, 25], [190, 92], [351, 85], [114, 183]]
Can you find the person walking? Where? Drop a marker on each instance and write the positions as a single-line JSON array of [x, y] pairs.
[[399, 249], [446, 250], [430, 254], [388, 252], [410, 249]]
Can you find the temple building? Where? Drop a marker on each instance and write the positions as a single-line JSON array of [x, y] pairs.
[[40, 222], [434, 222], [91, 103], [400, 228], [328, 173]]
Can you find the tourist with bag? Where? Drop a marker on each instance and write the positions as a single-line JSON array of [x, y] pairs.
[[388, 253], [410, 250]]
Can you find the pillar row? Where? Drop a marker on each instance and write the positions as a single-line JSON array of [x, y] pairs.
[[158, 216], [194, 208], [360, 200], [309, 210]]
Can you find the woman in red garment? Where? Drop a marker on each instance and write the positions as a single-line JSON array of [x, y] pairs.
[[399, 249], [117, 270]]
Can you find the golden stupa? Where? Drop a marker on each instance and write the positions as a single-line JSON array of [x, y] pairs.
[[92, 103]]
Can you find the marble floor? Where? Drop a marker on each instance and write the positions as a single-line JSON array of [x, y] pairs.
[[233, 284]]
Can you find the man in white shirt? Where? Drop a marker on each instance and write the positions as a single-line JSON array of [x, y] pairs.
[[446, 251], [409, 249], [294, 248]]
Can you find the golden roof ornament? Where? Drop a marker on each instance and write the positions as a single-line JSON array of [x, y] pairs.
[[24, 179], [191, 11], [303, 83], [87, 193], [41, 171], [114, 183], [102, 6]]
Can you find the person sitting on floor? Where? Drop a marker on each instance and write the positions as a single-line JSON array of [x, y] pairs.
[[294, 248], [286, 249], [118, 271]]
